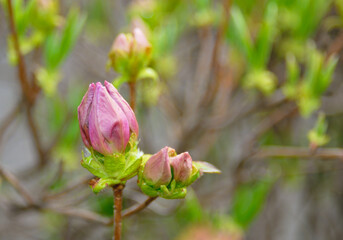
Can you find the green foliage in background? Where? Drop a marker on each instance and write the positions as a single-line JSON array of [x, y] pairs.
[[249, 200]]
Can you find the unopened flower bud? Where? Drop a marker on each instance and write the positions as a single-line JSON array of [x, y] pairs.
[[157, 170], [182, 167], [106, 120], [122, 44], [142, 43], [130, 52]]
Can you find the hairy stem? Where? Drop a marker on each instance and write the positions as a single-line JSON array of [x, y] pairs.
[[118, 199]]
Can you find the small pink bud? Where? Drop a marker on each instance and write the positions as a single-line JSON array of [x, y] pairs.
[[157, 170], [122, 43], [182, 167], [142, 42], [105, 121]]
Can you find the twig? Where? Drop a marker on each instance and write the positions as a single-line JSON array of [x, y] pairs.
[[132, 86], [137, 208], [31, 204], [118, 204], [217, 68], [335, 47], [11, 179], [59, 133], [299, 152], [264, 126], [69, 188], [25, 86], [36, 138], [29, 92], [273, 119], [80, 213], [9, 119]]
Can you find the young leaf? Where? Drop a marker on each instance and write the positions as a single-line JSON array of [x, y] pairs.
[[205, 167]]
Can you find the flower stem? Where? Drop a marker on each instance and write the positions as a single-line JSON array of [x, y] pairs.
[[117, 194], [132, 86]]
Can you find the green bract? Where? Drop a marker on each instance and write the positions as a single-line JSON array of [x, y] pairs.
[[115, 169]]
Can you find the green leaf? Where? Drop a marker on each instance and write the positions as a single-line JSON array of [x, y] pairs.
[[241, 34], [205, 167], [249, 200], [48, 80], [265, 37], [58, 45], [317, 135], [293, 74]]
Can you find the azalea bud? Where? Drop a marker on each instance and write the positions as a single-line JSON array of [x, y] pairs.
[[106, 120], [142, 43], [130, 52], [122, 44], [182, 167], [157, 170]]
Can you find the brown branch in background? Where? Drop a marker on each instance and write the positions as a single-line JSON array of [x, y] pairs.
[[335, 47], [139, 207], [132, 86], [31, 204], [29, 92], [80, 213], [11, 179], [273, 119], [299, 152], [118, 204], [36, 138], [59, 133], [216, 64], [69, 188], [269, 122], [25, 86], [9, 119]]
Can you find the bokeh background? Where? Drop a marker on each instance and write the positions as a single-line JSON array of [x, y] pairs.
[[253, 87]]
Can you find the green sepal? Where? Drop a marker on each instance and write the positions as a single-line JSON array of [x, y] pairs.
[[93, 165], [101, 183], [163, 191], [132, 164], [119, 166], [146, 189], [177, 193], [194, 176], [114, 165]]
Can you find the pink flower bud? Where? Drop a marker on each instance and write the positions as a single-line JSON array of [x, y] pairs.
[[142, 42], [122, 43], [157, 169], [130, 115], [106, 120], [182, 167]]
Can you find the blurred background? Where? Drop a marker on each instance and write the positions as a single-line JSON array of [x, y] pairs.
[[253, 87]]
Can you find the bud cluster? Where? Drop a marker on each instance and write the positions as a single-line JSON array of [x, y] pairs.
[[167, 174], [109, 130], [130, 53]]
